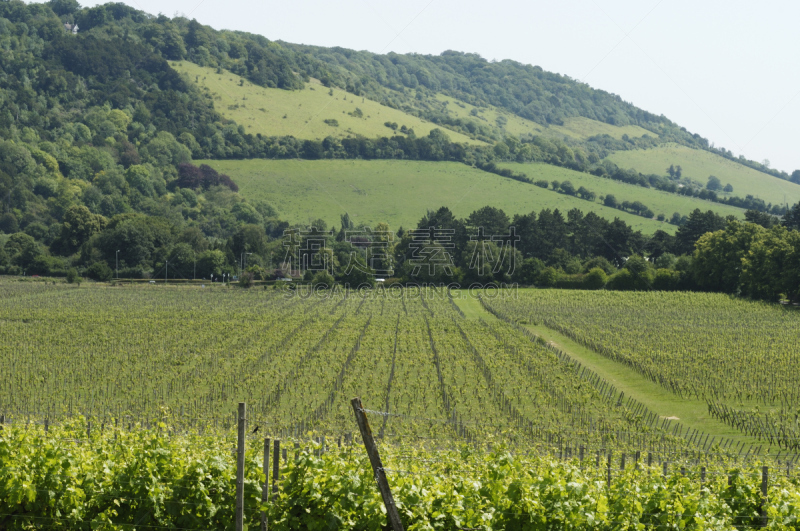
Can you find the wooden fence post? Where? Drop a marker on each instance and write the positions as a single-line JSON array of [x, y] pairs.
[[377, 465], [265, 488], [764, 486], [276, 467], [240, 467]]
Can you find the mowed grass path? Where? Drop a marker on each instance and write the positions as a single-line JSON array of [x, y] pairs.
[[656, 200], [691, 413], [698, 165], [301, 113], [396, 192]]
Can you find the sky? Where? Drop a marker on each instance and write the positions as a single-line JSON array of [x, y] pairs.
[[727, 70]]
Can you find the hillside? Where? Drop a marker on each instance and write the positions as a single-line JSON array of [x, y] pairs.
[[301, 113], [104, 133], [397, 192], [699, 165], [658, 201]]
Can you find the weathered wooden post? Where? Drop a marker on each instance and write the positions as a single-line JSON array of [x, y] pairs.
[[265, 488], [276, 467], [377, 465], [241, 420], [764, 488]]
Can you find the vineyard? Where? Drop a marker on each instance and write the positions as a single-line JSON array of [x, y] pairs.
[[186, 356], [118, 409], [741, 357]]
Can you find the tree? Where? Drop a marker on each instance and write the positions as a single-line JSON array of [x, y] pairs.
[[610, 201], [596, 278], [791, 220], [79, 225], [322, 280], [211, 263], [493, 221], [599, 262], [165, 150], [665, 261], [678, 172], [100, 272], [72, 276], [357, 273], [181, 261], [22, 249], [795, 178], [760, 218], [717, 260], [728, 189], [617, 242], [696, 225], [136, 237], [8, 223], [64, 7], [671, 171], [771, 267], [713, 183], [567, 188]]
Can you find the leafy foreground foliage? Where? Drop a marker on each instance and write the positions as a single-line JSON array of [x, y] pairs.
[[144, 479]]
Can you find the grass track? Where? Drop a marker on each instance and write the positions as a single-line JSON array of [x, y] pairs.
[[692, 413]]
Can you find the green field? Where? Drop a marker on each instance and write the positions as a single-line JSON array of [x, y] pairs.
[[699, 165], [658, 201], [577, 127], [301, 113], [396, 192]]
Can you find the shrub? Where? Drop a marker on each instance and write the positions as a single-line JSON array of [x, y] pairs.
[[666, 280], [595, 279], [322, 280], [569, 281], [100, 272], [548, 277], [246, 279], [72, 276]]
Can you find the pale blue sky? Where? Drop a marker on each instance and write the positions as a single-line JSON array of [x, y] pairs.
[[728, 70]]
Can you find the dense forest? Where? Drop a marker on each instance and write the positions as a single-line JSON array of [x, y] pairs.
[[98, 134]]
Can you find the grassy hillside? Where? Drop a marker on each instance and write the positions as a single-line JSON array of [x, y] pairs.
[[301, 113], [577, 127], [398, 192], [659, 202], [698, 165]]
